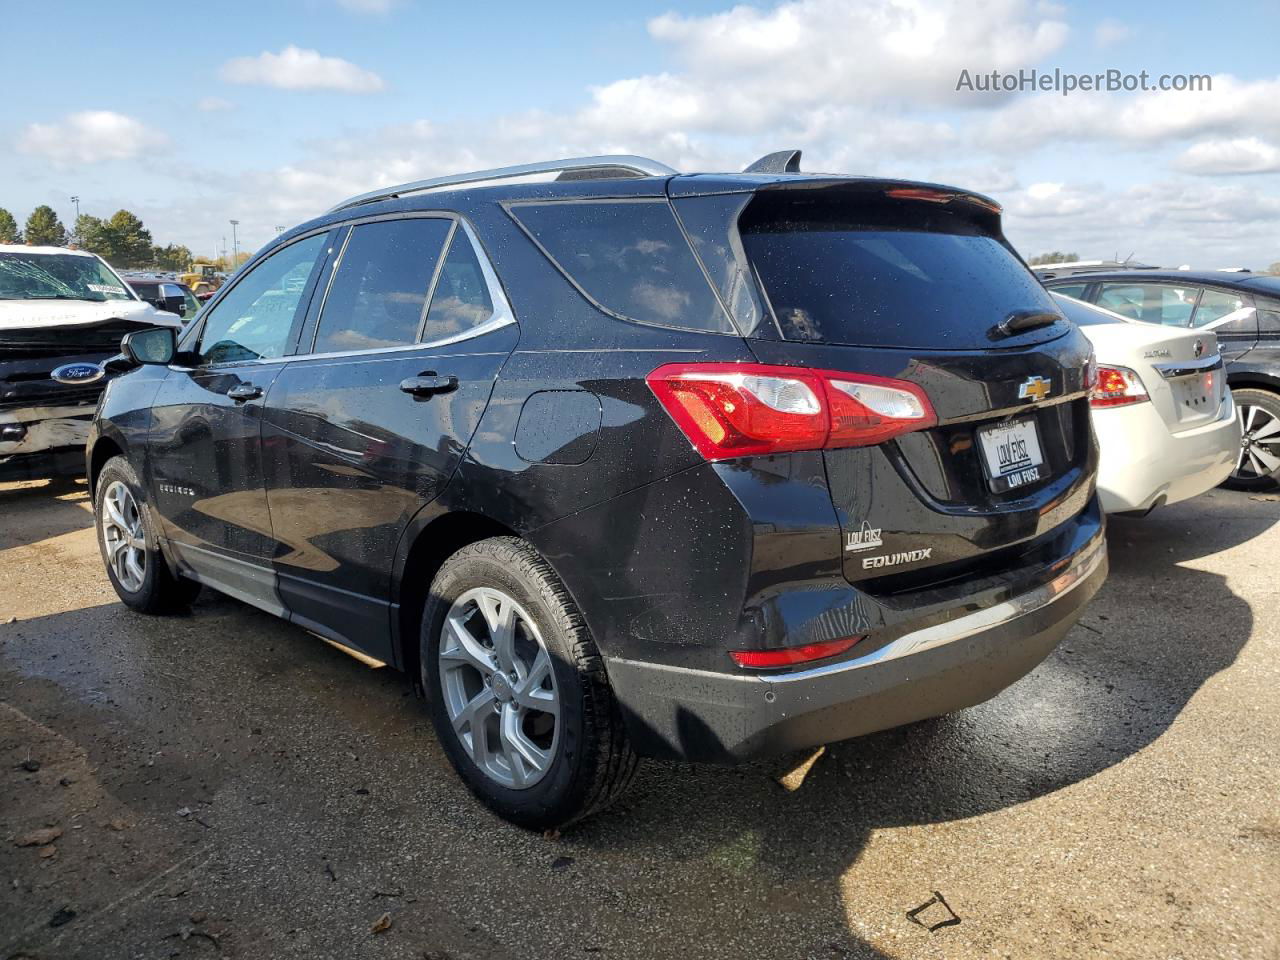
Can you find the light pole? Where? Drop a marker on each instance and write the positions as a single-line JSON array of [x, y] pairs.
[[235, 245], [75, 229]]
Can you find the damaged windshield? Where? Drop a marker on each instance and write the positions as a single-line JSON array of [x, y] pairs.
[[54, 276]]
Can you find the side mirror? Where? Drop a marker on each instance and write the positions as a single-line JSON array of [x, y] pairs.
[[156, 345], [176, 305]]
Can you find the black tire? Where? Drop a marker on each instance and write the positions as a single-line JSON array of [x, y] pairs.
[[1246, 476], [161, 591], [592, 762]]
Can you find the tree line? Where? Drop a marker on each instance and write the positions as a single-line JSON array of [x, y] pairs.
[[121, 239]]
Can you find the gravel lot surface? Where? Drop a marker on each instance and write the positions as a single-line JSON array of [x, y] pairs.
[[226, 785]]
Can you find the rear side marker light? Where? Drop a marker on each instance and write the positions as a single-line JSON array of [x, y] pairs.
[[789, 656], [742, 409], [1117, 387]]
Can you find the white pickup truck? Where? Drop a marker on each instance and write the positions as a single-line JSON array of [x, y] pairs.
[[62, 314]]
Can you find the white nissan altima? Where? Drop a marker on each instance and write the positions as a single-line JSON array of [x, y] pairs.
[[1164, 417]]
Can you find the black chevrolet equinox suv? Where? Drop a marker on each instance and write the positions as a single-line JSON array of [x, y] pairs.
[[619, 462]]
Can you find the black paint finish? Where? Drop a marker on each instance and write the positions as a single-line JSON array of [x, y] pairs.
[[320, 498]]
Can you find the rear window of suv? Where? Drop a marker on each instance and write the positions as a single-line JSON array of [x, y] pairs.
[[630, 257], [884, 274]]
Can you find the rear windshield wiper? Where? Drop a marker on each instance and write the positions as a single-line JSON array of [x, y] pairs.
[[1022, 320]]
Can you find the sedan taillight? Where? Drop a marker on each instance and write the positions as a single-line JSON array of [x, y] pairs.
[[739, 409], [1117, 387]]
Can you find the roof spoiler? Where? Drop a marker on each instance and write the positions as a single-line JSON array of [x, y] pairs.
[[783, 161]]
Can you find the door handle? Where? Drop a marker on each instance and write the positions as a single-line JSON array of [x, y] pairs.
[[244, 391], [428, 384]]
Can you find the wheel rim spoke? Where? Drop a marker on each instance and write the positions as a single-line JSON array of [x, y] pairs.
[[463, 647], [498, 687], [1253, 415], [124, 536], [1270, 462], [1270, 426]]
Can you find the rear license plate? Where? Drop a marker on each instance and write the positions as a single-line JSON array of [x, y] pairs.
[[1197, 392], [1011, 454]]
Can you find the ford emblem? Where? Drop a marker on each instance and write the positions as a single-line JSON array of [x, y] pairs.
[[78, 374]]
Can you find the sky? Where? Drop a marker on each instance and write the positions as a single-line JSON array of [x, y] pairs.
[[270, 112]]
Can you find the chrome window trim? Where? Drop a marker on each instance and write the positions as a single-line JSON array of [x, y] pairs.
[[502, 315]]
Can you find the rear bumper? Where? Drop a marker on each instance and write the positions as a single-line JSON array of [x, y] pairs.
[[1144, 464], [922, 671]]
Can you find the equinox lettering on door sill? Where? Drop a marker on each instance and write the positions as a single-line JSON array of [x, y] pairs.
[[893, 559]]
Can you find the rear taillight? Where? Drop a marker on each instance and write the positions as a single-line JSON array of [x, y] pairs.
[[738, 409], [789, 656], [1117, 387]]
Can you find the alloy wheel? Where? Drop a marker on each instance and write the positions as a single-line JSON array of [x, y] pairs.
[[499, 687], [123, 534], [1259, 454]]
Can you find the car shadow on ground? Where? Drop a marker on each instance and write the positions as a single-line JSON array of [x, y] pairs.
[[32, 512]]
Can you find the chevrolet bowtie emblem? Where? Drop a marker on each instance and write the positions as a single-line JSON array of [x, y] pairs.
[[1034, 389]]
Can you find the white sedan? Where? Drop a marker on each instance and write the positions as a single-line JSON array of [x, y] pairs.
[[1164, 417]]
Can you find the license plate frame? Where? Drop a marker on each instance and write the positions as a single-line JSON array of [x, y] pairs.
[[1011, 454]]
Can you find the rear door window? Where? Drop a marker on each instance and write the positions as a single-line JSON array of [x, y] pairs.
[[1075, 290], [630, 257], [460, 301], [378, 297], [1164, 303], [1218, 308], [885, 274]]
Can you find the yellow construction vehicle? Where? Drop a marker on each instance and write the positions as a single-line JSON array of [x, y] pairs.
[[202, 277]]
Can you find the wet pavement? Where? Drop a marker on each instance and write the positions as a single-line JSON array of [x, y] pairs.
[[226, 785]]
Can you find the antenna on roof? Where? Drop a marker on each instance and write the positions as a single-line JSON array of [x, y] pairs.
[[784, 161]]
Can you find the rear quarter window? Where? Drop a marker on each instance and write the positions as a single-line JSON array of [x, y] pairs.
[[630, 257], [868, 273]]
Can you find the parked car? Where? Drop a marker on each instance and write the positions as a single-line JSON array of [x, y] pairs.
[[165, 294], [1068, 268], [1162, 411], [62, 314], [1243, 311], [623, 462]]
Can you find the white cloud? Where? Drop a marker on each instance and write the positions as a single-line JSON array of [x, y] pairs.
[[1239, 155], [91, 136], [1230, 106], [1109, 32], [296, 69], [1166, 223], [748, 69], [213, 104]]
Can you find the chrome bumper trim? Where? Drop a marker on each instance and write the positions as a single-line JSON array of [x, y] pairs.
[[1084, 564]]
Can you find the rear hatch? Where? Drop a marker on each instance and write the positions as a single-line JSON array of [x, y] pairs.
[[1180, 370], [917, 283]]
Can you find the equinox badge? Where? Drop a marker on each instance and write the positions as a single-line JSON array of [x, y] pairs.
[[1034, 389]]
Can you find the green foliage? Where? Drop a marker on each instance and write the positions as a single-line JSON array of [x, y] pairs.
[[1274, 269], [1054, 257], [8, 228], [89, 235], [44, 228], [131, 240], [174, 257], [121, 240]]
